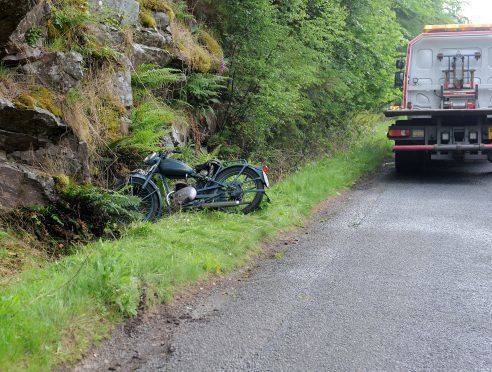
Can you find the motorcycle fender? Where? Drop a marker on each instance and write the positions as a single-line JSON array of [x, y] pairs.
[[258, 171], [150, 182]]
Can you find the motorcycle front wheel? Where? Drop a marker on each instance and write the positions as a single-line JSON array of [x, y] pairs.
[[245, 187], [150, 207]]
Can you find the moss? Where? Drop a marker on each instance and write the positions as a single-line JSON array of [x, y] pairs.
[[147, 19], [25, 101], [211, 44], [158, 6], [200, 60], [196, 56], [61, 183], [39, 97]]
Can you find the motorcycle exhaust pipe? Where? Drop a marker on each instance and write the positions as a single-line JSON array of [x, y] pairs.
[[223, 204]]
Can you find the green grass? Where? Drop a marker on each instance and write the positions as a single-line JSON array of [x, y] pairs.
[[53, 314]]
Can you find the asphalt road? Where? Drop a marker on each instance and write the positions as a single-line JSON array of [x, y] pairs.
[[396, 275]]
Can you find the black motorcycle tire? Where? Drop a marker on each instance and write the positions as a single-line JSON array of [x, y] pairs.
[[150, 208], [255, 203]]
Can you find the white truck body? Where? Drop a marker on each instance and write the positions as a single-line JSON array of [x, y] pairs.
[[446, 111], [425, 72]]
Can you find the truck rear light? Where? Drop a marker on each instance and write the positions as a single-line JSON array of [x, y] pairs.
[[471, 105], [445, 136], [418, 133], [473, 136], [395, 133], [490, 134]]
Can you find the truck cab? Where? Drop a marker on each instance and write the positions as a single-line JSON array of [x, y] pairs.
[[446, 110]]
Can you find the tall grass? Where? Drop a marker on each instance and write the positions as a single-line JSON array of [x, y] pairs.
[[53, 314]]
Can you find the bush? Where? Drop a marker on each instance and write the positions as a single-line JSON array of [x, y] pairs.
[[82, 214]]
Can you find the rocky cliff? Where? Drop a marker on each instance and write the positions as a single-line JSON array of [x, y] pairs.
[[66, 84]]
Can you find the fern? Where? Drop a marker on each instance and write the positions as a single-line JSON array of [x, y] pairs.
[[203, 90], [151, 77], [93, 201], [151, 122]]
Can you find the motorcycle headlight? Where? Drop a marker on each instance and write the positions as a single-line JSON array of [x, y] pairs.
[[151, 159]]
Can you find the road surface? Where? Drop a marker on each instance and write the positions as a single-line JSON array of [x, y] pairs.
[[394, 276]]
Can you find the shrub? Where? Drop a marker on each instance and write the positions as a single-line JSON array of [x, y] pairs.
[[81, 214]]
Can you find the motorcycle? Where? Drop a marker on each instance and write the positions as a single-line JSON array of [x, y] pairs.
[[214, 185]]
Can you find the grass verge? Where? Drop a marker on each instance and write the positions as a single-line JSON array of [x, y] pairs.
[[53, 314]]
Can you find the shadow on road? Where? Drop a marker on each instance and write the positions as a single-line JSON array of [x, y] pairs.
[[436, 172]]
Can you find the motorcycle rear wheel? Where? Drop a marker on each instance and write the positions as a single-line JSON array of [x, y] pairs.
[[242, 188], [150, 206]]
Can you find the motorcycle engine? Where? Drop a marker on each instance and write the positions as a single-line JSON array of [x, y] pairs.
[[184, 194]]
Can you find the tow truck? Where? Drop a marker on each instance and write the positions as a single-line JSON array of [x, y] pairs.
[[446, 111]]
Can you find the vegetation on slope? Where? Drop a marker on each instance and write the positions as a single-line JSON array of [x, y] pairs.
[[53, 314]]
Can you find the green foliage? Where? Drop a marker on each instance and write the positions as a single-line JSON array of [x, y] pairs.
[[4, 70], [82, 214], [114, 281], [203, 90], [70, 28], [80, 295], [201, 93], [151, 121], [34, 35], [152, 77], [299, 69], [90, 202], [413, 14]]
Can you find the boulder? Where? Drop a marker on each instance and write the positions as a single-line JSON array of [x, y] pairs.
[[152, 38], [35, 137], [108, 35], [23, 186], [23, 54], [61, 71], [127, 11], [175, 138], [27, 129], [37, 16], [162, 20], [143, 54], [11, 14]]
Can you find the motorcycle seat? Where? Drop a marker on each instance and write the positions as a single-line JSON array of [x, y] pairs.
[[203, 166]]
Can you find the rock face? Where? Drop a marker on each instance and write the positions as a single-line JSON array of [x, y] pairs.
[[26, 129], [122, 81], [162, 19], [126, 10], [144, 54], [22, 186], [152, 38], [38, 15], [59, 70], [12, 12], [37, 138]]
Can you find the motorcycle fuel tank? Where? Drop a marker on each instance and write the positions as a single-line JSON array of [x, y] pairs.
[[173, 168]]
